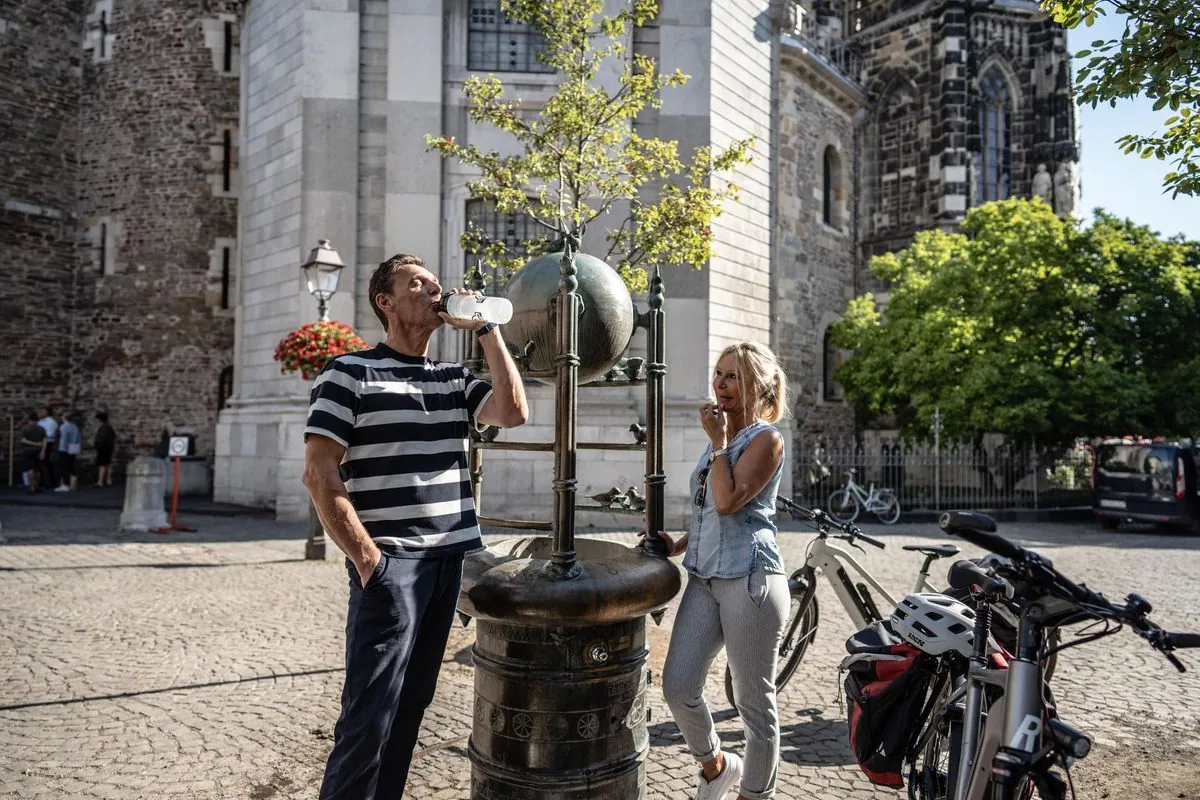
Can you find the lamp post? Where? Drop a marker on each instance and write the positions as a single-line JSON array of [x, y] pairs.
[[321, 272]]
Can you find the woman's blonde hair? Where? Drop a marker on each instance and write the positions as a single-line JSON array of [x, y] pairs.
[[760, 377]]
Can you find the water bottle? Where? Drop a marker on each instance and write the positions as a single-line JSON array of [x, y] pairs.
[[482, 308]]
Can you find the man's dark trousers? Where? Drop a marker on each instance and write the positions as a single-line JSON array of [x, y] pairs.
[[396, 631]]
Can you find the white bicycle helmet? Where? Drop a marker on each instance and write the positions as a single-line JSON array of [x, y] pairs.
[[935, 624]]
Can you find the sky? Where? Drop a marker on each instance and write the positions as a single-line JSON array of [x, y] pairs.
[[1126, 185]]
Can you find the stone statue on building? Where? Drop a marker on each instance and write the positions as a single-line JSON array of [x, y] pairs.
[[1043, 185], [1066, 189]]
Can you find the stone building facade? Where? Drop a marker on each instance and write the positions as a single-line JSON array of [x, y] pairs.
[[122, 212], [175, 219]]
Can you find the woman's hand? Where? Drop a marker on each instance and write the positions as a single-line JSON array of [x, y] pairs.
[[715, 424], [674, 547]]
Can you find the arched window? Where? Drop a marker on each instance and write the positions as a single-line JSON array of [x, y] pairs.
[[995, 137], [831, 187], [830, 360]]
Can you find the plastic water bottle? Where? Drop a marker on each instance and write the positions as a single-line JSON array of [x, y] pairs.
[[483, 308]]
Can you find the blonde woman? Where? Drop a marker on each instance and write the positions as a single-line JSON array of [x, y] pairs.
[[736, 594]]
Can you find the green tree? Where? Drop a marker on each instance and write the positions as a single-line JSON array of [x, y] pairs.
[[581, 160], [1157, 56], [1024, 325]]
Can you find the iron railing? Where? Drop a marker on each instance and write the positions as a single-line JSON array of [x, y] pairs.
[[929, 476]]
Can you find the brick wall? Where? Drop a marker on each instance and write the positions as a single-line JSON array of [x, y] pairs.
[[40, 48], [158, 122]]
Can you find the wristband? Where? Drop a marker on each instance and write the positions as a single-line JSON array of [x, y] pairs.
[[485, 330], [720, 452]]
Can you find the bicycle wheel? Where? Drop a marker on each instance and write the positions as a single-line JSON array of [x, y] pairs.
[[798, 632], [932, 774], [843, 506], [889, 513]]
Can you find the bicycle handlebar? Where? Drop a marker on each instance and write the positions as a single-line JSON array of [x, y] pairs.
[[978, 529], [825, 522]]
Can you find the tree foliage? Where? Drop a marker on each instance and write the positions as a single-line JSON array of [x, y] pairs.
[[1157, 56], [581, 160], [1025, 325]]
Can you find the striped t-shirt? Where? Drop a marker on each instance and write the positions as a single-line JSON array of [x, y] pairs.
[[404, 421]]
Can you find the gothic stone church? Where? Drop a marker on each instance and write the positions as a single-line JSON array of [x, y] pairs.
[[170, 163]]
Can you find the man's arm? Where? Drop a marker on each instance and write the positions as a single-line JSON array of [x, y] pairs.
[[506, 407], [322, 456]]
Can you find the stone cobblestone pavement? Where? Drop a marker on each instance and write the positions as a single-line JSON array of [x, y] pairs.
[[208, 664]]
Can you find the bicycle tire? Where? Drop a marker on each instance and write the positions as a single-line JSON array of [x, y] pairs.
[[843, 506], [891, 514], [798, 633], [929, 775]]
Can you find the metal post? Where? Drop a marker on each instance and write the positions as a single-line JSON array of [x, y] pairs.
[[1033, 457], [567, 306], [656, 371], [937, 458]]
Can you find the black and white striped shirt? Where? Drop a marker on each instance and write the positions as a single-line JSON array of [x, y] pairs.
[[404, 422]]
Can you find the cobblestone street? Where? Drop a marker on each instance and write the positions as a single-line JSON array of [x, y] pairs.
[[208, 664]]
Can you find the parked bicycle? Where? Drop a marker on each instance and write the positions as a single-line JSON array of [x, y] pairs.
[[845, 503], [861, 595], [993, 731]]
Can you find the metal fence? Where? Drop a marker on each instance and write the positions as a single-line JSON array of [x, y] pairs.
[[935, 476]]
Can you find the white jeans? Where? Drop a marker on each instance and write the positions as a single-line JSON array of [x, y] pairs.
[[746, 615]]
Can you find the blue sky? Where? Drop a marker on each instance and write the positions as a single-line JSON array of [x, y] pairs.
[[1127, 186]]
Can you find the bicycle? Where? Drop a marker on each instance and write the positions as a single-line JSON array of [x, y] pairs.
[[824, 557], [845, 503], [996, 733]]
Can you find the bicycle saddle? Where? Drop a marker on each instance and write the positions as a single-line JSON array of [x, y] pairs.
[[933, 550]]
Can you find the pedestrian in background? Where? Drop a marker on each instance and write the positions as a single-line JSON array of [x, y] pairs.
[[49, 447], [33, 443], [105, 443], [737, 593], [70, 443]]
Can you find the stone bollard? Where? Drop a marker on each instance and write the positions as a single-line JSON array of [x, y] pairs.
[[144, 482]]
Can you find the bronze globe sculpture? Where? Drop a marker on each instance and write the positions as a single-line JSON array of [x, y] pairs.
[[606, 322]]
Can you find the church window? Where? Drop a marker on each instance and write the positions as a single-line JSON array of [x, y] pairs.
[[224, 387], [497, 42], [995, 123], [513, 230], [226, 276], [103, 34], [831, 357], [227, 55], [103, 248], [831, 187], [226, 159]]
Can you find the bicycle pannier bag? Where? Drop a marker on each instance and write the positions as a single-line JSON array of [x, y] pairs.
[[886, 685]]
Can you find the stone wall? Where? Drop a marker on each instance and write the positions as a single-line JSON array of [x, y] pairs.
[[815, 268], [158, 181], [40, 48]]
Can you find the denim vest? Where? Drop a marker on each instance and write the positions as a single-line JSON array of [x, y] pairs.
[[734, 545]]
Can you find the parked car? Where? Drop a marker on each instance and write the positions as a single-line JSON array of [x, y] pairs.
[[1147, 481]]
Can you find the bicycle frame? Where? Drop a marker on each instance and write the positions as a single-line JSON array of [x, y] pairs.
[[869, 499], [832, 560]]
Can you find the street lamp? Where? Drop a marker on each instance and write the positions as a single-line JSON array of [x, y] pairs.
[[321, 271]]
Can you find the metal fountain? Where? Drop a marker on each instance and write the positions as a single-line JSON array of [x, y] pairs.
[[560, 653]]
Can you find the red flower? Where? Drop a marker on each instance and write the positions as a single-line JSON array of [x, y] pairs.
[[308, 348]]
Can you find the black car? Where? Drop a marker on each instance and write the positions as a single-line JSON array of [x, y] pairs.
[[1148, 482]]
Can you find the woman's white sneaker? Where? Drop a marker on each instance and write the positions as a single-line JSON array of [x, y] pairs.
[[718, 787]]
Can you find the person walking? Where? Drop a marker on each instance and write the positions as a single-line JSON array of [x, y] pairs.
[[49, 447], [105, 443], [70, 443], [736, 594], [33, 443], [386, 467]]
